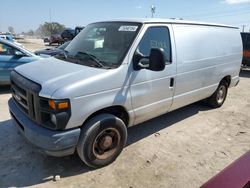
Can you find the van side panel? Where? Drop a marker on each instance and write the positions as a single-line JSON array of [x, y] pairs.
[[205, 55]]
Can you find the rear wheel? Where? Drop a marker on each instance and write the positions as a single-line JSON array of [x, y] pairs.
[[219, 96], [102, 140]]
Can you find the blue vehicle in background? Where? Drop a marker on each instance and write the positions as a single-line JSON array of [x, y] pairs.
[[11, 39], [11, 56]]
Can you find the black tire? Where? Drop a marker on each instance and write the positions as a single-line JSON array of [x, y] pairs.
[[219, 96], [100, 130]]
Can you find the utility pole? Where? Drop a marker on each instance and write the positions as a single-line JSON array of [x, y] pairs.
[[49, 15], [50, 22], [152, 11], [243, 28]]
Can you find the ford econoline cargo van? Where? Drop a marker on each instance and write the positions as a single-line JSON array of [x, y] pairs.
[[119, 73]]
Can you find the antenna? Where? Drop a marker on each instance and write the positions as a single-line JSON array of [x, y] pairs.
[[152, 11]]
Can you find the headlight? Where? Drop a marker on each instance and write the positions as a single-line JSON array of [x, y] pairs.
[[53, 118], [61, 110], [55, 113]]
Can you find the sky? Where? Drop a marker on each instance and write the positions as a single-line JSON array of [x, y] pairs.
[[24, 15]]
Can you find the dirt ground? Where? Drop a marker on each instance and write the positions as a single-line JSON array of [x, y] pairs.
[[183, 148], [33, 44]]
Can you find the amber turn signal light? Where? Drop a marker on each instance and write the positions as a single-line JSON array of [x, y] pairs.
[[58, 105], [63, 105], [52, 104]]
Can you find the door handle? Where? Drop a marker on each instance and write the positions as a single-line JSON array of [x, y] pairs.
[[171, 82]]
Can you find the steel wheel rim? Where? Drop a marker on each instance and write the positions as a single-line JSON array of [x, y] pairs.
[[221, 94], [106, 143]]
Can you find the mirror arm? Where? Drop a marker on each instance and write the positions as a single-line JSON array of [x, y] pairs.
[[143, 66]]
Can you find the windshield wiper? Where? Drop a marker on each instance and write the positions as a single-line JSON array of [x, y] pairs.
[[91, 56], [63, 54]]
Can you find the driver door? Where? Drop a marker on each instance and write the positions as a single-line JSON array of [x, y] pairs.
[[152, 92]]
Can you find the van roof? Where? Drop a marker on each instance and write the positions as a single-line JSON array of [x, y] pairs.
[[175, 21]]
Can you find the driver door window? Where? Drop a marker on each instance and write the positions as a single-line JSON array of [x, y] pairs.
[[155, 37]]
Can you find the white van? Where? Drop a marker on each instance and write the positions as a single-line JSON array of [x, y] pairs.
[[119, 73]]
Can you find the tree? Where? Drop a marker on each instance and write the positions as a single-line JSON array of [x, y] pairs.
[[11, 29], [48, 29], [30, 32]]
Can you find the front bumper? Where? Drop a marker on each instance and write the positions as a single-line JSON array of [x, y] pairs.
[[55, 143]]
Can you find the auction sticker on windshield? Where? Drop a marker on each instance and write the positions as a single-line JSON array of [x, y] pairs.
[[128, 28]]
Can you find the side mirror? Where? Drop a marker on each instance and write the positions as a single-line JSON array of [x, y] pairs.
[[156, 60], [18, 53]]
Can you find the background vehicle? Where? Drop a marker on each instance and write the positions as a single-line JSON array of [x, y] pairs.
[[234, 175], [7, 37], [78, 29], [54, 39], [52, 51], [66, 35], [246, 49], [12, 56], [46, 39], [69, 34], [11, 39], [121, 73]]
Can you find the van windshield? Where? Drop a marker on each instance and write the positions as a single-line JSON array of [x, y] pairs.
[[102, 45]]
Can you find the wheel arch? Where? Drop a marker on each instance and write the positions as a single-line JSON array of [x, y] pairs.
[[116, 110], [227, 79]]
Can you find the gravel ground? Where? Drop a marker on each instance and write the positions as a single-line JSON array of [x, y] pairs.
[[33, 44], [183, 148]]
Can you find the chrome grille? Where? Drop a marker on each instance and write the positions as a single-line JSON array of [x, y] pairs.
[[20, 95], [25, 92]]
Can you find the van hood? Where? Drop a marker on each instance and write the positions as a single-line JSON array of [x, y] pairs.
[[52, 74]]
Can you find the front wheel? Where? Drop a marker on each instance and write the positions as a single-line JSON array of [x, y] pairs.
[[102, 140], [219, 96]]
